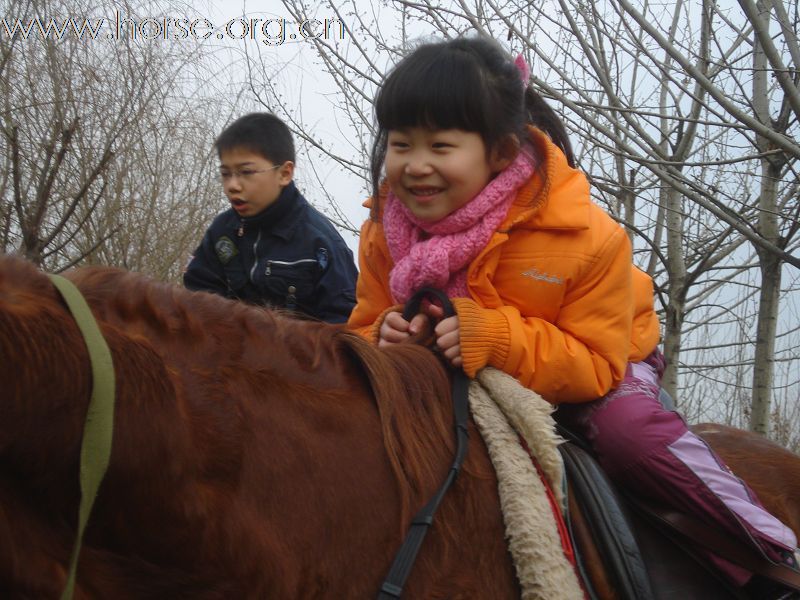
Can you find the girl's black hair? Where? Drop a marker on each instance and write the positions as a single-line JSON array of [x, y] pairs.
[[467, 83]]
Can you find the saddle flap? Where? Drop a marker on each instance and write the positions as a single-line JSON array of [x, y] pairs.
[[608, 521]]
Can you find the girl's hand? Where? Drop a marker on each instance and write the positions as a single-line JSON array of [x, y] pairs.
[[447, 333], [448, 340], [396, 329]]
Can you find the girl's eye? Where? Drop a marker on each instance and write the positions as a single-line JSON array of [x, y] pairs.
[[398, 144], [442, 145]]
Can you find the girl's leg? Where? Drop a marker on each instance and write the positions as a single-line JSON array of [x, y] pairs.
[[651, 451]]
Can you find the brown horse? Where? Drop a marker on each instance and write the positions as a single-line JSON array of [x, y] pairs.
[[254, 455]]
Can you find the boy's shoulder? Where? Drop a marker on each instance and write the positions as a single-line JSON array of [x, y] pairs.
[[303, 222], [225, 221], [315, 222]]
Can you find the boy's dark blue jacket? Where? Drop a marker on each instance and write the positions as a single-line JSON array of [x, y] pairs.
[[288, 256]]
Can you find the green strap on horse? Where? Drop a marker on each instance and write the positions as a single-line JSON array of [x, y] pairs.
[[99, 427]]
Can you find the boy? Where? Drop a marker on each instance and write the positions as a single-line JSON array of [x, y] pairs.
[[271, 247]]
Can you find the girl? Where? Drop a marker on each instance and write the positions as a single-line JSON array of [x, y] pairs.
[[481, 199]]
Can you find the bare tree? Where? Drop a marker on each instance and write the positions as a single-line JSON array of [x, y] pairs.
[[105, 138], [767, 60], [163, 195]]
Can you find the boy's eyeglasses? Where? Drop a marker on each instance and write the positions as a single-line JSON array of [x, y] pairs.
[[245, 174]]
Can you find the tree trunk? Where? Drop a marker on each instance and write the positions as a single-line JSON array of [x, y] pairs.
[[764, 361], [770, 264], [675, 311]]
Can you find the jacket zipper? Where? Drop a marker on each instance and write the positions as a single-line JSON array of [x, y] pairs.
[[284, 263], [255, 257]]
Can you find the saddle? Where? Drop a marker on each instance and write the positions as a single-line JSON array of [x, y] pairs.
[[594, 501], [642, 546], [620, 555]]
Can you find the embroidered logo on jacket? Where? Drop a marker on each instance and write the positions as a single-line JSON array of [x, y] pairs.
[[226, 249], [535, 273]]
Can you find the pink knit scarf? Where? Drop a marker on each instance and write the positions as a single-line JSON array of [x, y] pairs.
[[441, 259]]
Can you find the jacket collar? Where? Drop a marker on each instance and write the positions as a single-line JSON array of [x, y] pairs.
[[556, 197], [281, 217]]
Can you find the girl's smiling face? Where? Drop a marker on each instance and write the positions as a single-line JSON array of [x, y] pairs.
[[434, 172]]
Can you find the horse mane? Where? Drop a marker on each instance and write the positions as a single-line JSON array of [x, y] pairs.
[[165, 312], [412, 393]]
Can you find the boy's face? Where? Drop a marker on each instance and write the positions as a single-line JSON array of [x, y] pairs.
[[250, 181]]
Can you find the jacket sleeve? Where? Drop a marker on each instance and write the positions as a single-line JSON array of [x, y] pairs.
[[336, 287], [204, 271], [577, 358], [373, 297]]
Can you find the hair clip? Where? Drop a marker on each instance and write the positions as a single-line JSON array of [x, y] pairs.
[[523, 68]]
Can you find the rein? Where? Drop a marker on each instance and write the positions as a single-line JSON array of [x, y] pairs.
[[392, 586], [99, 425]]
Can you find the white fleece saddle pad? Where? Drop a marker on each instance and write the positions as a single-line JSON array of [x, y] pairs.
[[504, 410]]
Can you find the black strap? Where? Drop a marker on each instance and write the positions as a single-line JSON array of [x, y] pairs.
[[392, 586]]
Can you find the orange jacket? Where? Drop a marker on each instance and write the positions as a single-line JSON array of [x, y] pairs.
[[555, 301]]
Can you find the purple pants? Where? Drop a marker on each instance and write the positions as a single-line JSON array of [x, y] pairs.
[[650, 450]]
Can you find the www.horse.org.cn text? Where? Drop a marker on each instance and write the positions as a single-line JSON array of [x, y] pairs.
[[270, 32]]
